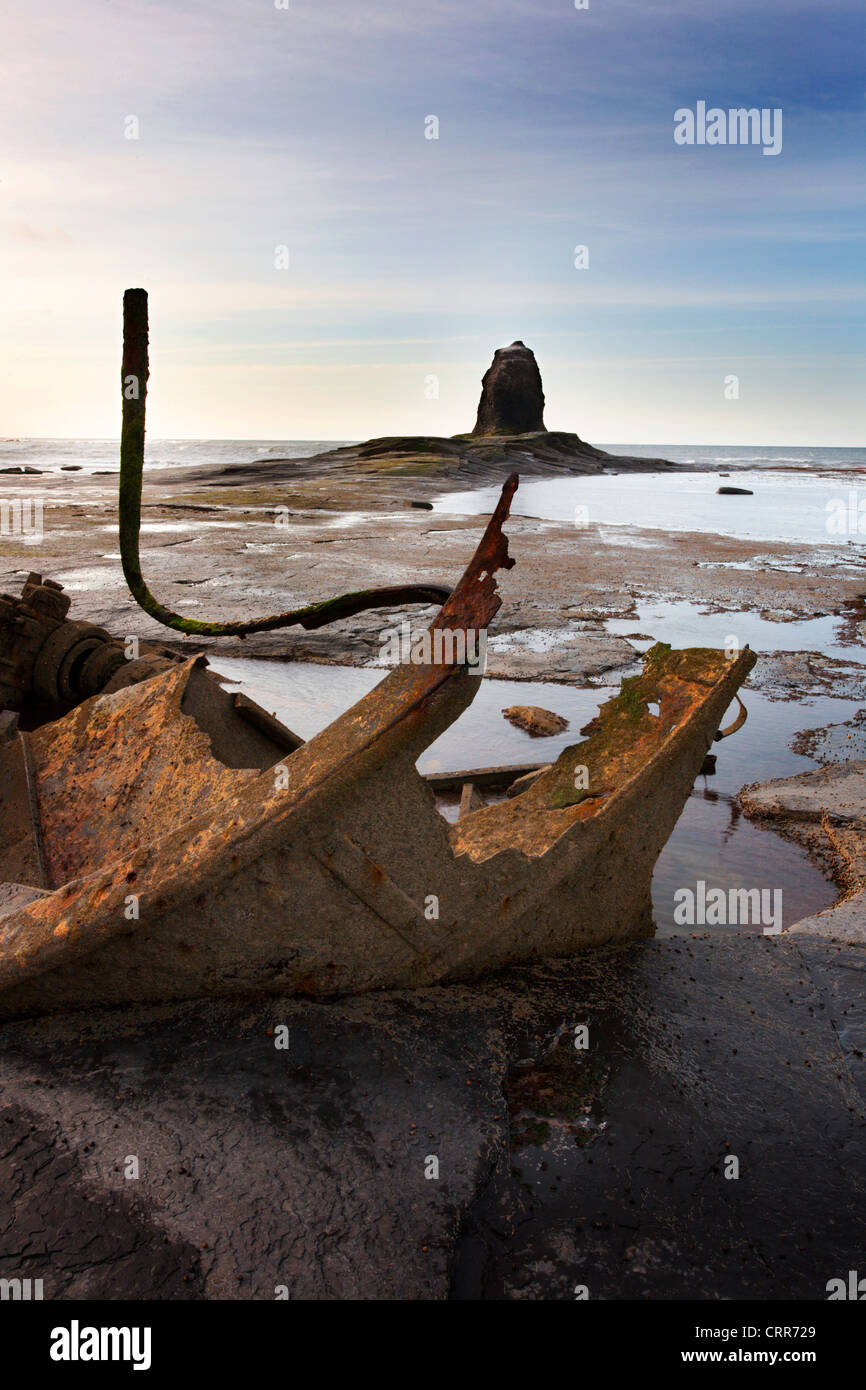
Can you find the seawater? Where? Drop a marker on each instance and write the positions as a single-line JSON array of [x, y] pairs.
[[816, 509], [103, 454]]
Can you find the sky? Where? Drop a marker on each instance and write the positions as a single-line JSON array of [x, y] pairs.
[[411, 259]]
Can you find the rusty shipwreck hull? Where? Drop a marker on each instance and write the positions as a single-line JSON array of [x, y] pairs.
[[147, 854]]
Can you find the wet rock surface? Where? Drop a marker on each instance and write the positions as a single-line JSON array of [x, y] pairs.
[[514, 653], [844, 922], [835, 742], [558, 1166], [643, 1209], [836, 792], [793, 675], [824, 810], [463, 459]]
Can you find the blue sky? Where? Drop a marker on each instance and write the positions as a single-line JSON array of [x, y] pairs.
[[411, 258]]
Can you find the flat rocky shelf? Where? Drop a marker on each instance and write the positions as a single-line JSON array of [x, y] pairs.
[[466, 458]]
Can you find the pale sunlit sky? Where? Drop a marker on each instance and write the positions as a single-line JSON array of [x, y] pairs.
[[409, 257]]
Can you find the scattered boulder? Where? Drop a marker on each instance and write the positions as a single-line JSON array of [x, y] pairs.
[[538, 722], [19, 469], [512, 399]]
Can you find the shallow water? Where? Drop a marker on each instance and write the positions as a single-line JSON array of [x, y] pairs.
[[712, 841], [715, 842], [307, 696], [685, 624], [784, 506]]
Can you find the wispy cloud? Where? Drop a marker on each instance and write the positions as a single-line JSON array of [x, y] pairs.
[[304, 127]]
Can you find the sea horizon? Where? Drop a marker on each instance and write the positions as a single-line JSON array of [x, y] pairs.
[[89, 455]]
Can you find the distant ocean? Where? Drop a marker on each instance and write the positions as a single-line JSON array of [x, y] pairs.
[[96, 455]]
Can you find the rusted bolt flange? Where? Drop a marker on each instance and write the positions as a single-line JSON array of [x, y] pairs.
[[99, 667], [58, 664]]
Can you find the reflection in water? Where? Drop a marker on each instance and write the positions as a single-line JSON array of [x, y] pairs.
[[685, 624], [712, 841]]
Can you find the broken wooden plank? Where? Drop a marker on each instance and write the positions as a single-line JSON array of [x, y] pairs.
[[484, 778], [470, 800]]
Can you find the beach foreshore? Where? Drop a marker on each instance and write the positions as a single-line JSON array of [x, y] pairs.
[[306, 1173], [268, 543], [581, 604], [556, 1169]]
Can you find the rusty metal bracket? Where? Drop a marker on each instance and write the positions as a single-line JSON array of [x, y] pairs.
[[135, 370], [735, 724]]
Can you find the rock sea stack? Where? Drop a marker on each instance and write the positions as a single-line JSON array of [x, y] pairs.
[[509, 436], [512, 398]]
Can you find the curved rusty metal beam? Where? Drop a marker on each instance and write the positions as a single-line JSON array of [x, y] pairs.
[[134, 374], [736, 724]]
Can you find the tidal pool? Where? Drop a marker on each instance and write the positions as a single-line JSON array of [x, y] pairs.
[[685, 624], [784, 506]]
